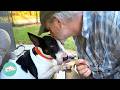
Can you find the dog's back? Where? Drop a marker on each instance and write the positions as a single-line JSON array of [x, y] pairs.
[[20, 71], [27, 66], [42, 64]]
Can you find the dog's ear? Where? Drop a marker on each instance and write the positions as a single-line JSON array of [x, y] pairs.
[[37, 41]]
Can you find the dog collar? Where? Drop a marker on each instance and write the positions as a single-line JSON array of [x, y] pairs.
[[39, 52]]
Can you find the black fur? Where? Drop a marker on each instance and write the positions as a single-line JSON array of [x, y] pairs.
[[27, 64], [51, 46], [48, 44]]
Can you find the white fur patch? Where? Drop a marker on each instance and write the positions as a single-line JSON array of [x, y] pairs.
[[60, 46], [61, 53]]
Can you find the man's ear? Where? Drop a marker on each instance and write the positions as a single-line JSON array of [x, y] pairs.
[[37, 41], [57, 24]]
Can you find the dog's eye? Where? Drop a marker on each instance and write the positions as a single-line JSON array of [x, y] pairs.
[[52, 46], [46, 51]]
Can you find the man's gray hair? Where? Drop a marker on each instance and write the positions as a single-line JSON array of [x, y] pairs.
[[67, 15]]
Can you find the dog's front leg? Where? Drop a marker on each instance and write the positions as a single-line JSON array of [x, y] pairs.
[[51, 72]]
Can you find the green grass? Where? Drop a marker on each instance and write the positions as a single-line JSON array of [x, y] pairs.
[[20, 34], [69, 44]]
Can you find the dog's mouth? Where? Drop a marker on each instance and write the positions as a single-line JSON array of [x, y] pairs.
[[68, 58], [65, 58]]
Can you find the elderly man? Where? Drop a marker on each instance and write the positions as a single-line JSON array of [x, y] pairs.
[[97, 37], [5, 43]]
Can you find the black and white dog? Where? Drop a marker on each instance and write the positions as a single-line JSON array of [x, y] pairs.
[[40, 62]]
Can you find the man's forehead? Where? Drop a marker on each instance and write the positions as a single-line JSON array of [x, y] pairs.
[[46, 15]]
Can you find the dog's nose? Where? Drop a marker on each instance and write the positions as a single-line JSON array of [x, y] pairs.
[[68, 58], [65, 58]]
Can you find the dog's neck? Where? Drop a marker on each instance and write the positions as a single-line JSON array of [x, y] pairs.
[[36, 51], [41, 63]]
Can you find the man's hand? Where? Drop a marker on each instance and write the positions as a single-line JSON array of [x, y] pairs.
[[83, 68]]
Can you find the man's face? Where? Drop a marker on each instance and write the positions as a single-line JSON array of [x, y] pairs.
[[59, 31]]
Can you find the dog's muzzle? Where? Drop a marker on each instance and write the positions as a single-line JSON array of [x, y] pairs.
[[68, 58]]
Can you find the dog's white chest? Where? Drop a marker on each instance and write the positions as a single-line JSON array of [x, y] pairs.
[[41, 64]]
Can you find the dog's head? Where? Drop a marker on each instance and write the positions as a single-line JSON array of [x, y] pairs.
[[49, 46]]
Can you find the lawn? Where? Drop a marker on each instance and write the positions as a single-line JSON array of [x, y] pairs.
[[21, 37]]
